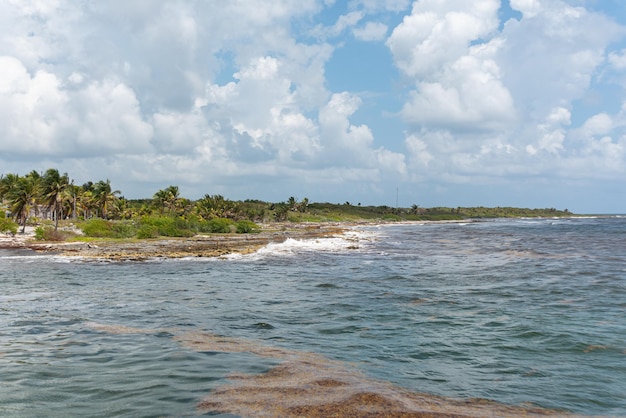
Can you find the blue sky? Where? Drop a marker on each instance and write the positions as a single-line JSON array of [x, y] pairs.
[[435, 102]]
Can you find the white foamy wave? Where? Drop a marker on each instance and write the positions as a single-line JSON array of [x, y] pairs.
[[36, 258], [353, 240]]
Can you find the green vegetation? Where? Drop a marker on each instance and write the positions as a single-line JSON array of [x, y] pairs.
[[320, 212], [7, 226], [246, 227], [48, 233], [101, 212], [102, 228]]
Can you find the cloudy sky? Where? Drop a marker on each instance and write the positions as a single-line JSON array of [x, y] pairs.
[[428, 102]]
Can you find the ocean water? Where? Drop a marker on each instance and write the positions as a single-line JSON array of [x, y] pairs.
[[521, 311]]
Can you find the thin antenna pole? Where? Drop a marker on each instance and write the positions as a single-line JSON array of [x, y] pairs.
[[397, 191]]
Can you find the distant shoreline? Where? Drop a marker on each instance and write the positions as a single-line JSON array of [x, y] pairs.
[[201, 245]]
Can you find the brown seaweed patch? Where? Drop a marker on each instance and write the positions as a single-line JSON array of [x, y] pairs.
[[591, 348], [307, 384], [202, 341], [311, 385], [419, 301], [329, 383]]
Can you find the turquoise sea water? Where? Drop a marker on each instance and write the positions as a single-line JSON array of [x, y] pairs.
[[517, 311]]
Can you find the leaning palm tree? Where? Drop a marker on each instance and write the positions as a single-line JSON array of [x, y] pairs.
[[55, 192], [22, 197]]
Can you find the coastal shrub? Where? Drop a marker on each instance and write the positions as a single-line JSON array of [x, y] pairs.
[[100, 228], [281, 211], [391, 217], [193, 222], [7, 226], [122, 230], [97, 228], [221, 226], [48, 233], [39, 234], [147, 231], [246, 227], [166, 226]]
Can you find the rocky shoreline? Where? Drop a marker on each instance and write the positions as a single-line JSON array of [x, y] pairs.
[[209, 245]]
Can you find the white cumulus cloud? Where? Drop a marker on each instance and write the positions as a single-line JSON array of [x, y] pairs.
[[251, 95]]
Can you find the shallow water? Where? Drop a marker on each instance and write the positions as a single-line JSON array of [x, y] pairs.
[[516, 311]]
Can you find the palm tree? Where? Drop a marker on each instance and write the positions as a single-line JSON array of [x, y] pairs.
[[74, 191], [22, 197], [183, 206], [172, 197], [122, 209], [304, 204], [7, 181], [292, 202], [55, 192], [104, 196], [217, 206], [160, 199], [167, 198], [86, 201]]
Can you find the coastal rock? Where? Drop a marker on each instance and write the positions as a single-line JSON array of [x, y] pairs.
[[213, 245]]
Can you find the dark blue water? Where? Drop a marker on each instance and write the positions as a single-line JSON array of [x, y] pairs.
[[517, 311]]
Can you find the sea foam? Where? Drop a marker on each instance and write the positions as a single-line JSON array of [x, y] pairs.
[[352, 240]]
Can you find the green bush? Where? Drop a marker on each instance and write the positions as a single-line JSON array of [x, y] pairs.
[[246, 227], [39, 234], [7, 226], [100, 228], [203, 226], [97, 228], [221, 225], [49, 234], [123, 230], [165, 226], [147, 231]]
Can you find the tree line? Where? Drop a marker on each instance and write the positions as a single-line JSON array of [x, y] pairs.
[[54, 196]]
